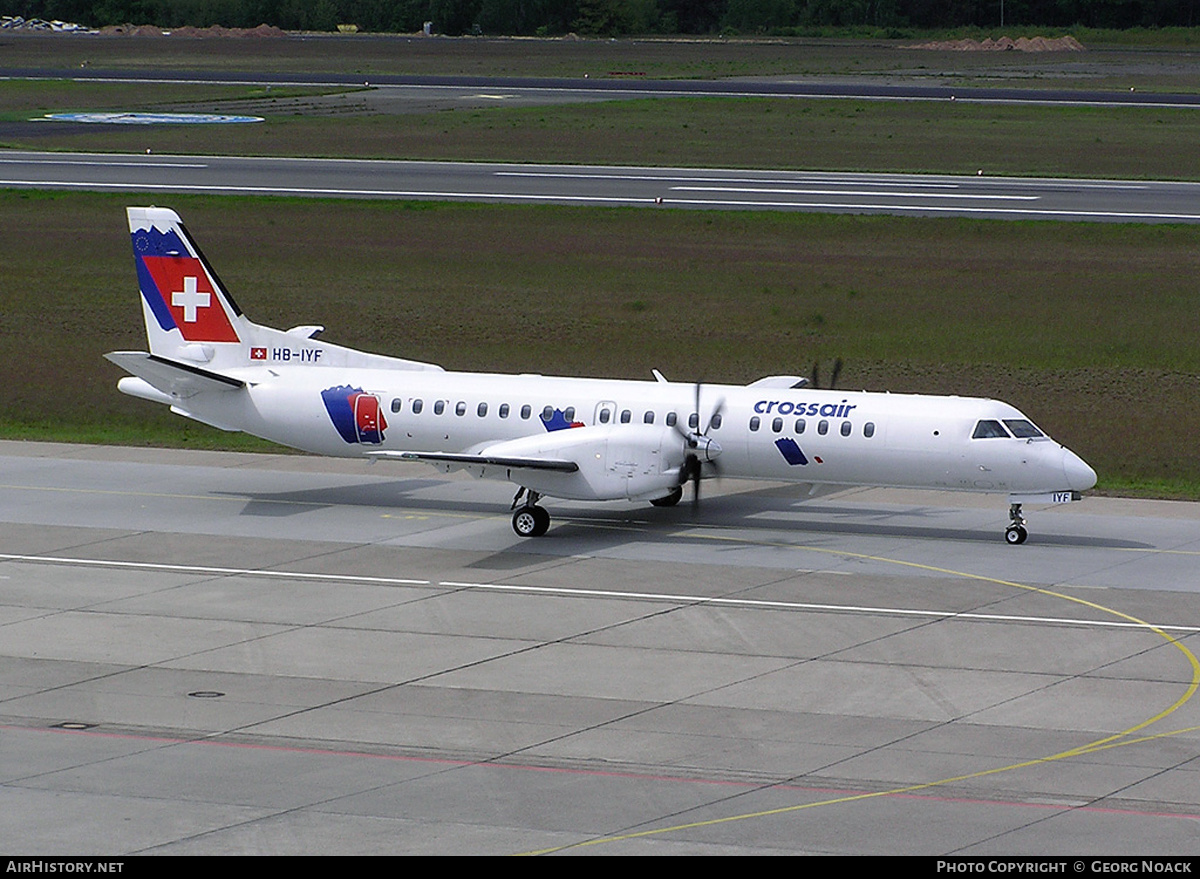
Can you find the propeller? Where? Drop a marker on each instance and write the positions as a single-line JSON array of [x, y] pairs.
[[698, 447], [815, 379]]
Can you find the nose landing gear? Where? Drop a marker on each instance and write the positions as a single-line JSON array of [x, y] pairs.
[[1015, 533]]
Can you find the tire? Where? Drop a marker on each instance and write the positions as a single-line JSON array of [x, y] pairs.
[[1015, 535], [531, 522]]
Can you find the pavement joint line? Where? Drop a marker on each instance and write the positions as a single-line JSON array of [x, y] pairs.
[[1122, 738]]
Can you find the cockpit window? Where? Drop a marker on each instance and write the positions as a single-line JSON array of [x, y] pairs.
[[987, 429], [1022, 429]]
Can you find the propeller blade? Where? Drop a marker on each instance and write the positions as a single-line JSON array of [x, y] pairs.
[[837, 370], [695, 483], [717, 410], [697, 443]]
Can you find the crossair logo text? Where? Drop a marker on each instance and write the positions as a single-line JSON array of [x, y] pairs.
[[787, 407]]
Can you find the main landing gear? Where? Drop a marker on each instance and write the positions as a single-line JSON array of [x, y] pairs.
[[1015, 533], [530, 520]]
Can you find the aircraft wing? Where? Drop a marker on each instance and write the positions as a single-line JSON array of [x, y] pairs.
[[170, 376], [464, 461]]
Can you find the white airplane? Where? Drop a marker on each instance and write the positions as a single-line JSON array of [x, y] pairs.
[[572, 438]]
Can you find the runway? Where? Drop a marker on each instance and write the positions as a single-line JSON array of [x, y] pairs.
[[898, 194], [232, 653]]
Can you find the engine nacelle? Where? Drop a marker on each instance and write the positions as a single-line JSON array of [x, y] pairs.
[[626, 461]]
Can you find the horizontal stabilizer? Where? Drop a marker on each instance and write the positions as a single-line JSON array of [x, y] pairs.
[[560, 466], [172, 377]]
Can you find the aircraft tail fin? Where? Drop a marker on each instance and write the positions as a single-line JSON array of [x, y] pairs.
[[189, 314], [192, 319]]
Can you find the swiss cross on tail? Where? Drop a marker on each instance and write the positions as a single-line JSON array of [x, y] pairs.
[[183, 288], [177, 289]]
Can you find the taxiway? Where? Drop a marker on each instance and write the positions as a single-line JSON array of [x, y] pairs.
[[206, 652]]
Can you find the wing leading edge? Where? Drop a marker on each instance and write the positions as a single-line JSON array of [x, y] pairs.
[[556, 465]]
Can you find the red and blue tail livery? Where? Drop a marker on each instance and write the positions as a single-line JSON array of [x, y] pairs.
[[177, 288]]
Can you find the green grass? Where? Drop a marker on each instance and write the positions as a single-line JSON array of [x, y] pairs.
[[20, 98], [1089, 328], [953, 138]]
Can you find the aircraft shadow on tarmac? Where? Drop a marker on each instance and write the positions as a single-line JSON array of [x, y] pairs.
[[373, 494], [596, 524]]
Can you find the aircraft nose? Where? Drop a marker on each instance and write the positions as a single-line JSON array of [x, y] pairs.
[[1080, 477]]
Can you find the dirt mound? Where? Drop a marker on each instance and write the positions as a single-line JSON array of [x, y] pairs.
[[216, 31], [1005, 44]]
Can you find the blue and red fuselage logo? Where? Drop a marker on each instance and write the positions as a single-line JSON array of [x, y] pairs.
[[558, 421], [355, 414]]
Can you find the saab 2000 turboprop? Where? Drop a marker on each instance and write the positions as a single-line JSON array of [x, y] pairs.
[[571, 438]]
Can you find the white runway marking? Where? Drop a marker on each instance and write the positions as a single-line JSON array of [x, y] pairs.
[[681, 598], [22, 160], [854, 192]]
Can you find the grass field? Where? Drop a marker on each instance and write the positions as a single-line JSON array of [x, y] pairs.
[[1088, 328], [850, 135], [947, 137]]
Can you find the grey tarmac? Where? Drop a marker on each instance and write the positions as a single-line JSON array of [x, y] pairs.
[[233, 653], [926, 195]]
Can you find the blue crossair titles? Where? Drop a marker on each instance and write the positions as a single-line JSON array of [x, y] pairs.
[[787, 407]]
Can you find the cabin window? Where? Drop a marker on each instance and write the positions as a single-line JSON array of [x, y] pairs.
[[548, 413], [987, 429], [800, 425], [671, 419], [396, 404], [715, 424], [648, 418], [693, 421], [481, 410], [626, 415], [460, 408], [439, 407], [777, 425], [754, 423], [417, 406], [823, 427], [503, 412], [869, 429], [846, 428], [569, 414], [526, 411], [605, 414], [1022, 429]]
